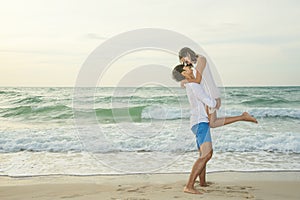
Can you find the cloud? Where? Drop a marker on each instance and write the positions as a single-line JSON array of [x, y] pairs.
[[262, 40], [95, 36], [41, 52]]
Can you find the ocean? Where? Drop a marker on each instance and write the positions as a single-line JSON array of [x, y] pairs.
[[89, 131]]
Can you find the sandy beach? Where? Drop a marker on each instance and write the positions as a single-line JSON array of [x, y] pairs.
[[224, 185]]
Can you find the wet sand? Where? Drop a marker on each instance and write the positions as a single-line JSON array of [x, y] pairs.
[[224, 185]]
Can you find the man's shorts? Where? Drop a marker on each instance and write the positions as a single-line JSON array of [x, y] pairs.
[[202, 132]]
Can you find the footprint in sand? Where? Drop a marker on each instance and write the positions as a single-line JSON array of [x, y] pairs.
[[71, 196], [231, 191], [131, 189], [129, 198], [137, 190], [166, 187]]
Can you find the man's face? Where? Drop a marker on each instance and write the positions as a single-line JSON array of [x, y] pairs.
[[188, 72]]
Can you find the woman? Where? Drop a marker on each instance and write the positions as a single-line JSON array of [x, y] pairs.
[[203, 75]]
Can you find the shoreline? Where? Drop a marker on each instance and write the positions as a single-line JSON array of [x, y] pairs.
[[224, 185], [158, 173]]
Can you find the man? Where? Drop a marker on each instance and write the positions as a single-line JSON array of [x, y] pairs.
[[200, 124], [199, 101]]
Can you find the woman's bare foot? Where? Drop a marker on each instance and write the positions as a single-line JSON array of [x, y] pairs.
[[191, 190], [247, 117]]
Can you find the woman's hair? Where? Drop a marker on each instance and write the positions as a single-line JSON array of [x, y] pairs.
[[187, 52], [177, 73]]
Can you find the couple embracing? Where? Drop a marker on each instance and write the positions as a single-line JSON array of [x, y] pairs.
[[204, 98]]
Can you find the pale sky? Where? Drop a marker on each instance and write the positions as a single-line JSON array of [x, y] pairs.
[[252, 43]]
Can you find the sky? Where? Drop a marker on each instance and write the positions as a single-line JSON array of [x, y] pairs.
[[45, 43]]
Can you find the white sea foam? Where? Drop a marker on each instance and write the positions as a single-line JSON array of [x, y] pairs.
[[152, 136], [168, 112], [45, 163], [38, 135]]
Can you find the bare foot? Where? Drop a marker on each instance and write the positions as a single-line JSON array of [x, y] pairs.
[[247, 117], [191, 190], [206, 184]]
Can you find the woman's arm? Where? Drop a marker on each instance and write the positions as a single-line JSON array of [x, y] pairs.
[[201, 63]]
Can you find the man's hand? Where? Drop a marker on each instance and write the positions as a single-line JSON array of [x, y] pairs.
[[183, 82]]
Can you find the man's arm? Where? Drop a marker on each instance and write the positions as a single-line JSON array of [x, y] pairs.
[[201, 95]]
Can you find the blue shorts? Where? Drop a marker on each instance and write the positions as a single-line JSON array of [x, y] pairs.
[[202, 132]]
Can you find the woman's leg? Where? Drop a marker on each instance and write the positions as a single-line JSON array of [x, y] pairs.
[[215, 122]]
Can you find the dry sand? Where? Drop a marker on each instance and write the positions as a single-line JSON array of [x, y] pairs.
[[224, 185]]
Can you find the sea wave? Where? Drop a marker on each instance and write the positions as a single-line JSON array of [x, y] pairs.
[[66, 140], [134, 113], [29, 100], [263, 101], [266, 113], [37, 112]]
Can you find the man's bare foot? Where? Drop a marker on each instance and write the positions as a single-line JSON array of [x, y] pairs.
[[206, 184], [191, 190], [247, 117]]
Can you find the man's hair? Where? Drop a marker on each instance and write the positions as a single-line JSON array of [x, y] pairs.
[[177, 73]]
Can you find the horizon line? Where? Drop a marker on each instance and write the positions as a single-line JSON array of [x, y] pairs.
[[139, 86]]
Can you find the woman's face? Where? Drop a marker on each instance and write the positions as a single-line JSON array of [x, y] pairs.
[[186, 60]]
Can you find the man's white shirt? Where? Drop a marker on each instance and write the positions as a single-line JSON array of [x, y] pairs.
[[198, 98]]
